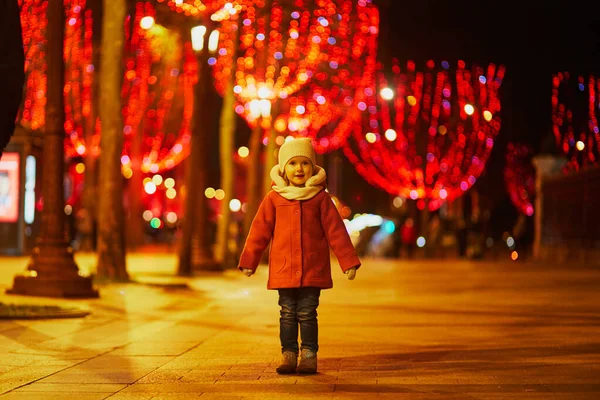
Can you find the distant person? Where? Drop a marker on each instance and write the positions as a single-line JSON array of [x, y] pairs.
[[434, 236], [408, 233], [462, 236], [300, 218], [12, 76]]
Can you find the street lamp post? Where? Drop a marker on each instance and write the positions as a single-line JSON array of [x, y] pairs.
[[52, 270], [195, 253]]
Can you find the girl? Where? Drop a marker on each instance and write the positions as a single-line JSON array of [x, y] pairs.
[[300, 219]]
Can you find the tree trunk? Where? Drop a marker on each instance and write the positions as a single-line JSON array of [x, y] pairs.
[[111, 229], [89, 213], [335, 175], [195, 251], [253, 182], [184, 267], [228, 125]]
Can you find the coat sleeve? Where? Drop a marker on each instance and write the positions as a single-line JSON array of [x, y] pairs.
[[261, 232], [337, 235]]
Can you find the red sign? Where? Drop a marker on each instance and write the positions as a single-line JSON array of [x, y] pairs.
[[9, 187]]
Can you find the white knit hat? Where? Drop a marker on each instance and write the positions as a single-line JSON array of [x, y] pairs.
[[296, 147]]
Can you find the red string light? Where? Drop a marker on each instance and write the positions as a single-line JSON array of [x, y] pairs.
[[574, 119], [160, 73], [34, 24], [268, 77], [219, 9], [79, 76], [326, 109], [431, 142], [318, 53], [159, 76], [519, 177]]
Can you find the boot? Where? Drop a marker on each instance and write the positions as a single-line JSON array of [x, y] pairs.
[[308, 362], [288, 363]]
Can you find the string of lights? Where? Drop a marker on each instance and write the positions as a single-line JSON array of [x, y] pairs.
[[217, 9], [306, 67], [424, 135], [160, 71], [318, 54], [574, 119], [326, 109], [34, 24], [519, 177]]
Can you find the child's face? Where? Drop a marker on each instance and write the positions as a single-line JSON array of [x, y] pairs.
[[298, 170]]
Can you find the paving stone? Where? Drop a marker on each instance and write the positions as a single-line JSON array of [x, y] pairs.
[[402, 330], [74, 388], [97, 376], [113, 361], [131, 396], [53, 396], [156, 348]]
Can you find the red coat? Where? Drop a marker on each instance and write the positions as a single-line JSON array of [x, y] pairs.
[[302, 232]]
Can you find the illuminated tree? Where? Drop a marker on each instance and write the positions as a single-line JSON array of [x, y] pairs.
[[220, 11], [325, 109], [82, 59], [427, 135], [227, 130], [294, 57], [160, 74], [195, 228], [157, 94], [519, 177], [261, 73], [574, 119]]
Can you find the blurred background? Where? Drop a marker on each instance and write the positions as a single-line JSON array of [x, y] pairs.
[[428, 117]]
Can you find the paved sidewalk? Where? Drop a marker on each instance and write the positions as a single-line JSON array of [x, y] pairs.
[[401, 330]]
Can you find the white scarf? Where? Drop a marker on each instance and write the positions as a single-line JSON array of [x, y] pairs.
[[311, 188]]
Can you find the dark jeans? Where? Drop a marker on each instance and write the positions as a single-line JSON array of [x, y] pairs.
[[299, 306]]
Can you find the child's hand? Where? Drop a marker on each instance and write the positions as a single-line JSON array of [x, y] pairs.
[[247, 271], [351, 273]]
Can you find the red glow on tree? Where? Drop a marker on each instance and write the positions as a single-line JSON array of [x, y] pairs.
[[431, 141], [216, 8], [519, 177], [327, 108], [298, 67], [34, 24], [160, 71], [260, 73], [574, 119]]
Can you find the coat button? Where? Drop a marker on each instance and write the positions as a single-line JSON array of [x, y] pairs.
[[297, 230], [297, 212], [297, 272]]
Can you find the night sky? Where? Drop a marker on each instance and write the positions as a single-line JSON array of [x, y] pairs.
[[533, 41]]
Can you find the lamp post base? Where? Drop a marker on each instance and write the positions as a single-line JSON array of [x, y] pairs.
[[71, 287]]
